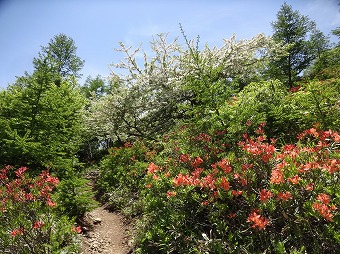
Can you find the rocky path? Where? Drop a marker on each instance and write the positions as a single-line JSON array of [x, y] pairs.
[[105, 233]]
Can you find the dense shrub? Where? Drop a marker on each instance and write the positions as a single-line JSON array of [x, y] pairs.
[[122, 175], [253, 199], [75, 196], [287, 113], [29, 222]]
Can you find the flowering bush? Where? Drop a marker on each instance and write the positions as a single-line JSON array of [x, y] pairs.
[[29, 223], [254, 198]]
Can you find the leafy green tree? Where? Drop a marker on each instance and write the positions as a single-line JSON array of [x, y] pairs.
[[328, 64], [95, 87], [41, 120], [305, 40], [59, 57], [336, 32]]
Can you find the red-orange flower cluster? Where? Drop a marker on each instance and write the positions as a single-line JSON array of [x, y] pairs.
[[258, 220], [264, 195]]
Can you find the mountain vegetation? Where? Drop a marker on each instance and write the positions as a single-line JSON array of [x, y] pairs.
[[230, 149]]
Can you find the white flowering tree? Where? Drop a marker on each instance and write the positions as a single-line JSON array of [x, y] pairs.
[[175, 82]]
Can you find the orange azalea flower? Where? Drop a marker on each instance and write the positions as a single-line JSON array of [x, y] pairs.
[[18, 231], [197, 161], [247, 166], [152, 168], [236, 193], [323, 198], [171, 194], [231, 215], [225, 184], [284, 196], [77, 229], [184, 158], [205, 203], [224, 164], [264, 195], [324, 210], [258, 220], [276, 177], [310, 187], [51, 203], [38, 224], [295, 179]]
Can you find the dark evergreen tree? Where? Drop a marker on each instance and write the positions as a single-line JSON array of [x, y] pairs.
[[305, 40]]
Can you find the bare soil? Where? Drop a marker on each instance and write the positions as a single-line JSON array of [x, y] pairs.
[[106, 233]]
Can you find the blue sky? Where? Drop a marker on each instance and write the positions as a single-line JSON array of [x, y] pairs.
[[98, 26]]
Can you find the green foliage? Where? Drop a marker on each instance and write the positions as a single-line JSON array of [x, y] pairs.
[[94, 87], [327, 66], [74, 196], [286, 113], [41, 123], [121, 176]]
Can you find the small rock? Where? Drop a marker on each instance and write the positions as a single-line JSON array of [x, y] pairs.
[[97, 221]]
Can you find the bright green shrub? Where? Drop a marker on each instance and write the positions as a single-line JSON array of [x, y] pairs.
[[287, 113], [75, 197], [122, 175]]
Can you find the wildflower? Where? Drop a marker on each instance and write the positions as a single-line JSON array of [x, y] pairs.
[[323, 198], [205, 203], [258, 220], [276, 176], [208, 181], [247, 166], [295, 179], [171, 194], [20, 171], [77, 229], [155, 177], [148, 185], [324, 210], [310, 187], [225, 184], [18, 231], [308, 166], [264, 195], [184, 158], [197, 161], [50, 203], [152, 168], [37, 224], [284, 196], [236, 193], [231, 215], [53, 180], [224, 164]]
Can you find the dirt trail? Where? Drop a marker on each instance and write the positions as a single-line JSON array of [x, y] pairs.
[[106, 233]]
